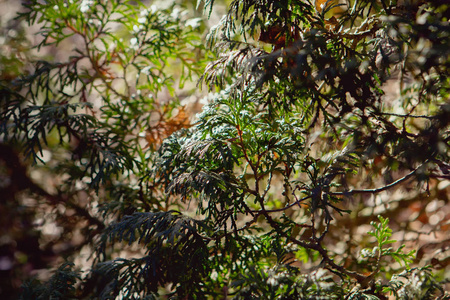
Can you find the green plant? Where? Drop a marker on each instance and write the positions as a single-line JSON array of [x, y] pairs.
[[266, 195], [60, 286], [382, 233]]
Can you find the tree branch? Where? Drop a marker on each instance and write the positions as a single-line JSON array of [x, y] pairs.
[[376, 190]]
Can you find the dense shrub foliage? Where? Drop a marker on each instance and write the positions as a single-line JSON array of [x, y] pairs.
[[318, 166]]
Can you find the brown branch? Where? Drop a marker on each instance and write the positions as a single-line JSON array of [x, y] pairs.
[[376, 190], [408, 116], [283, 208]]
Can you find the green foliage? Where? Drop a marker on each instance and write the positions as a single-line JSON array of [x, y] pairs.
[[60, 286], [175, 253], [264, 195], [416, 283], [382, 233]]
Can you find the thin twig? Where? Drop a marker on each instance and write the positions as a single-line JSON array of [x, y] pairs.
[[408, 116], [376, 190], [283, 208]]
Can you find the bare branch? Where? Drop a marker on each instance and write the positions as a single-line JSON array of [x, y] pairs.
[[377, 190]]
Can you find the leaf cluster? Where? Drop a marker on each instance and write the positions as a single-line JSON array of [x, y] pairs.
[[262, 196]]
